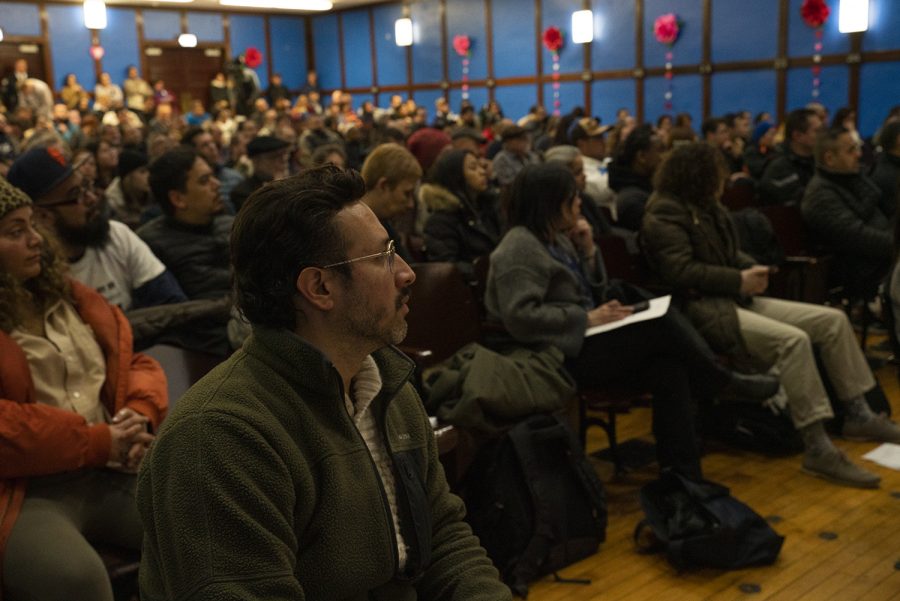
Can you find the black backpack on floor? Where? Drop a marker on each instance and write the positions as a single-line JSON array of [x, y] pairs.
[[535, 501], [699, 524]]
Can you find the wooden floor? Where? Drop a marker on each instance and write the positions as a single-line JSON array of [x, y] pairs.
[[862, 562]]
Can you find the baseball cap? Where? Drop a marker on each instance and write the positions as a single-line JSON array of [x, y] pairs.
[[587, 127], [39, 171]]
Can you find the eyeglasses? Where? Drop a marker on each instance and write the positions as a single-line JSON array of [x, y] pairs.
[[74, 197], [390, 253]]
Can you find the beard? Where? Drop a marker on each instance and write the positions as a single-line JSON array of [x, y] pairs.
[[93, 234], [375, 325]]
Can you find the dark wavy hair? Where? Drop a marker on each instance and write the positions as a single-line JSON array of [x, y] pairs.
[[448, 172], [537, 196], [283, 228], [692, 173], [641, 138], [41, 291]]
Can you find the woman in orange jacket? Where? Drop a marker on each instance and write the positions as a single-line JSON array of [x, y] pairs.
[[77, 412]]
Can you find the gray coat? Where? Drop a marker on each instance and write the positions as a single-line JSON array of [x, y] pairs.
[[536, 297]]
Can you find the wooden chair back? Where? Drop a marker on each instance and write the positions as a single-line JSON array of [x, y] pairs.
[[443, 313]]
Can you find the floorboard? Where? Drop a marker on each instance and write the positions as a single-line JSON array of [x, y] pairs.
[[858, 564]]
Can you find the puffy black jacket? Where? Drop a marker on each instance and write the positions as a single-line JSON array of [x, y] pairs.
[[785, 178], [842, 214]]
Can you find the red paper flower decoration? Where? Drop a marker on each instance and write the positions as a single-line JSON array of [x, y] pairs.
[[553, 39], [462, 44], [253, 57], [815, 12], [667, 28]]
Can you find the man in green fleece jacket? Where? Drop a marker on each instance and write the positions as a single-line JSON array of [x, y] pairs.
[[304, 467]]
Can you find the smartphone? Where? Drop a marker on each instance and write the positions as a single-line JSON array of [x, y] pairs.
[[640, 306]]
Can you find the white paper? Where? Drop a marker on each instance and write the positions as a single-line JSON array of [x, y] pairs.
[[658, 308], [887, 455]]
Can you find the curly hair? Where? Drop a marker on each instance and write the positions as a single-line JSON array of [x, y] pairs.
[[692, 173], [43, 290]]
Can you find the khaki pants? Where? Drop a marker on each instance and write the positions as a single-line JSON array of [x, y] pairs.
[[48, 556], [783, 333]]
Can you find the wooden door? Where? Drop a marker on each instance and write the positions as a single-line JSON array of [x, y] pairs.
[[33, 54], [185, 71]]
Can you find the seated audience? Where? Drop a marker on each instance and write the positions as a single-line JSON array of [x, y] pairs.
[[886, 172], [191, 237], [547, 285], [761, 150], [108, 96], [631, 174], [269, 156], [391, 174], [587, 135], [78, 410], [571, 159], [128, 196], [204, 143], [312, 432], [103, 254], [73, 94], [691, 246], [464, 221], [785, 178], [516, 154], [841, 212]]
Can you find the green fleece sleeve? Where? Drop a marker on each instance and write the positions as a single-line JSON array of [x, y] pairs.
[[217, 515], [460, 569]]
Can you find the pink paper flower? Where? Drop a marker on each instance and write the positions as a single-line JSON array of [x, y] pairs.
[[253, 57], [462, 44], [553, 39], [667, 28], [814, 12]]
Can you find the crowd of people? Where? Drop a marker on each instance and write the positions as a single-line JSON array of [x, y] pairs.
[[277, 229]]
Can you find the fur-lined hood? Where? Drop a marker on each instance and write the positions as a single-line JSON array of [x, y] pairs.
[[438, 198]]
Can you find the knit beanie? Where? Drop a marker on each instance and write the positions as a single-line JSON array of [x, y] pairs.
[[11, 198], [129, 161]]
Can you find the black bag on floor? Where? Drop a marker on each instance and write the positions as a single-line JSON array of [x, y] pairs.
[[699, 524], [535, 501]]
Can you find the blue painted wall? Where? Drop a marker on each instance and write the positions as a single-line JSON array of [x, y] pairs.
[[206, 26], [514, 38], [753, 91], [516, 100], [120, 41], [17, 18], [427, 66], [613, 46], [69, 45], [288, 36], [327, 53], [162, 25], [729, 34], [391, 59], [516, 44], [357, 48], [608, 96]]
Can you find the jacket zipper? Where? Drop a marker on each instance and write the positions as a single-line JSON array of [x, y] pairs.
[[395, 554]]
